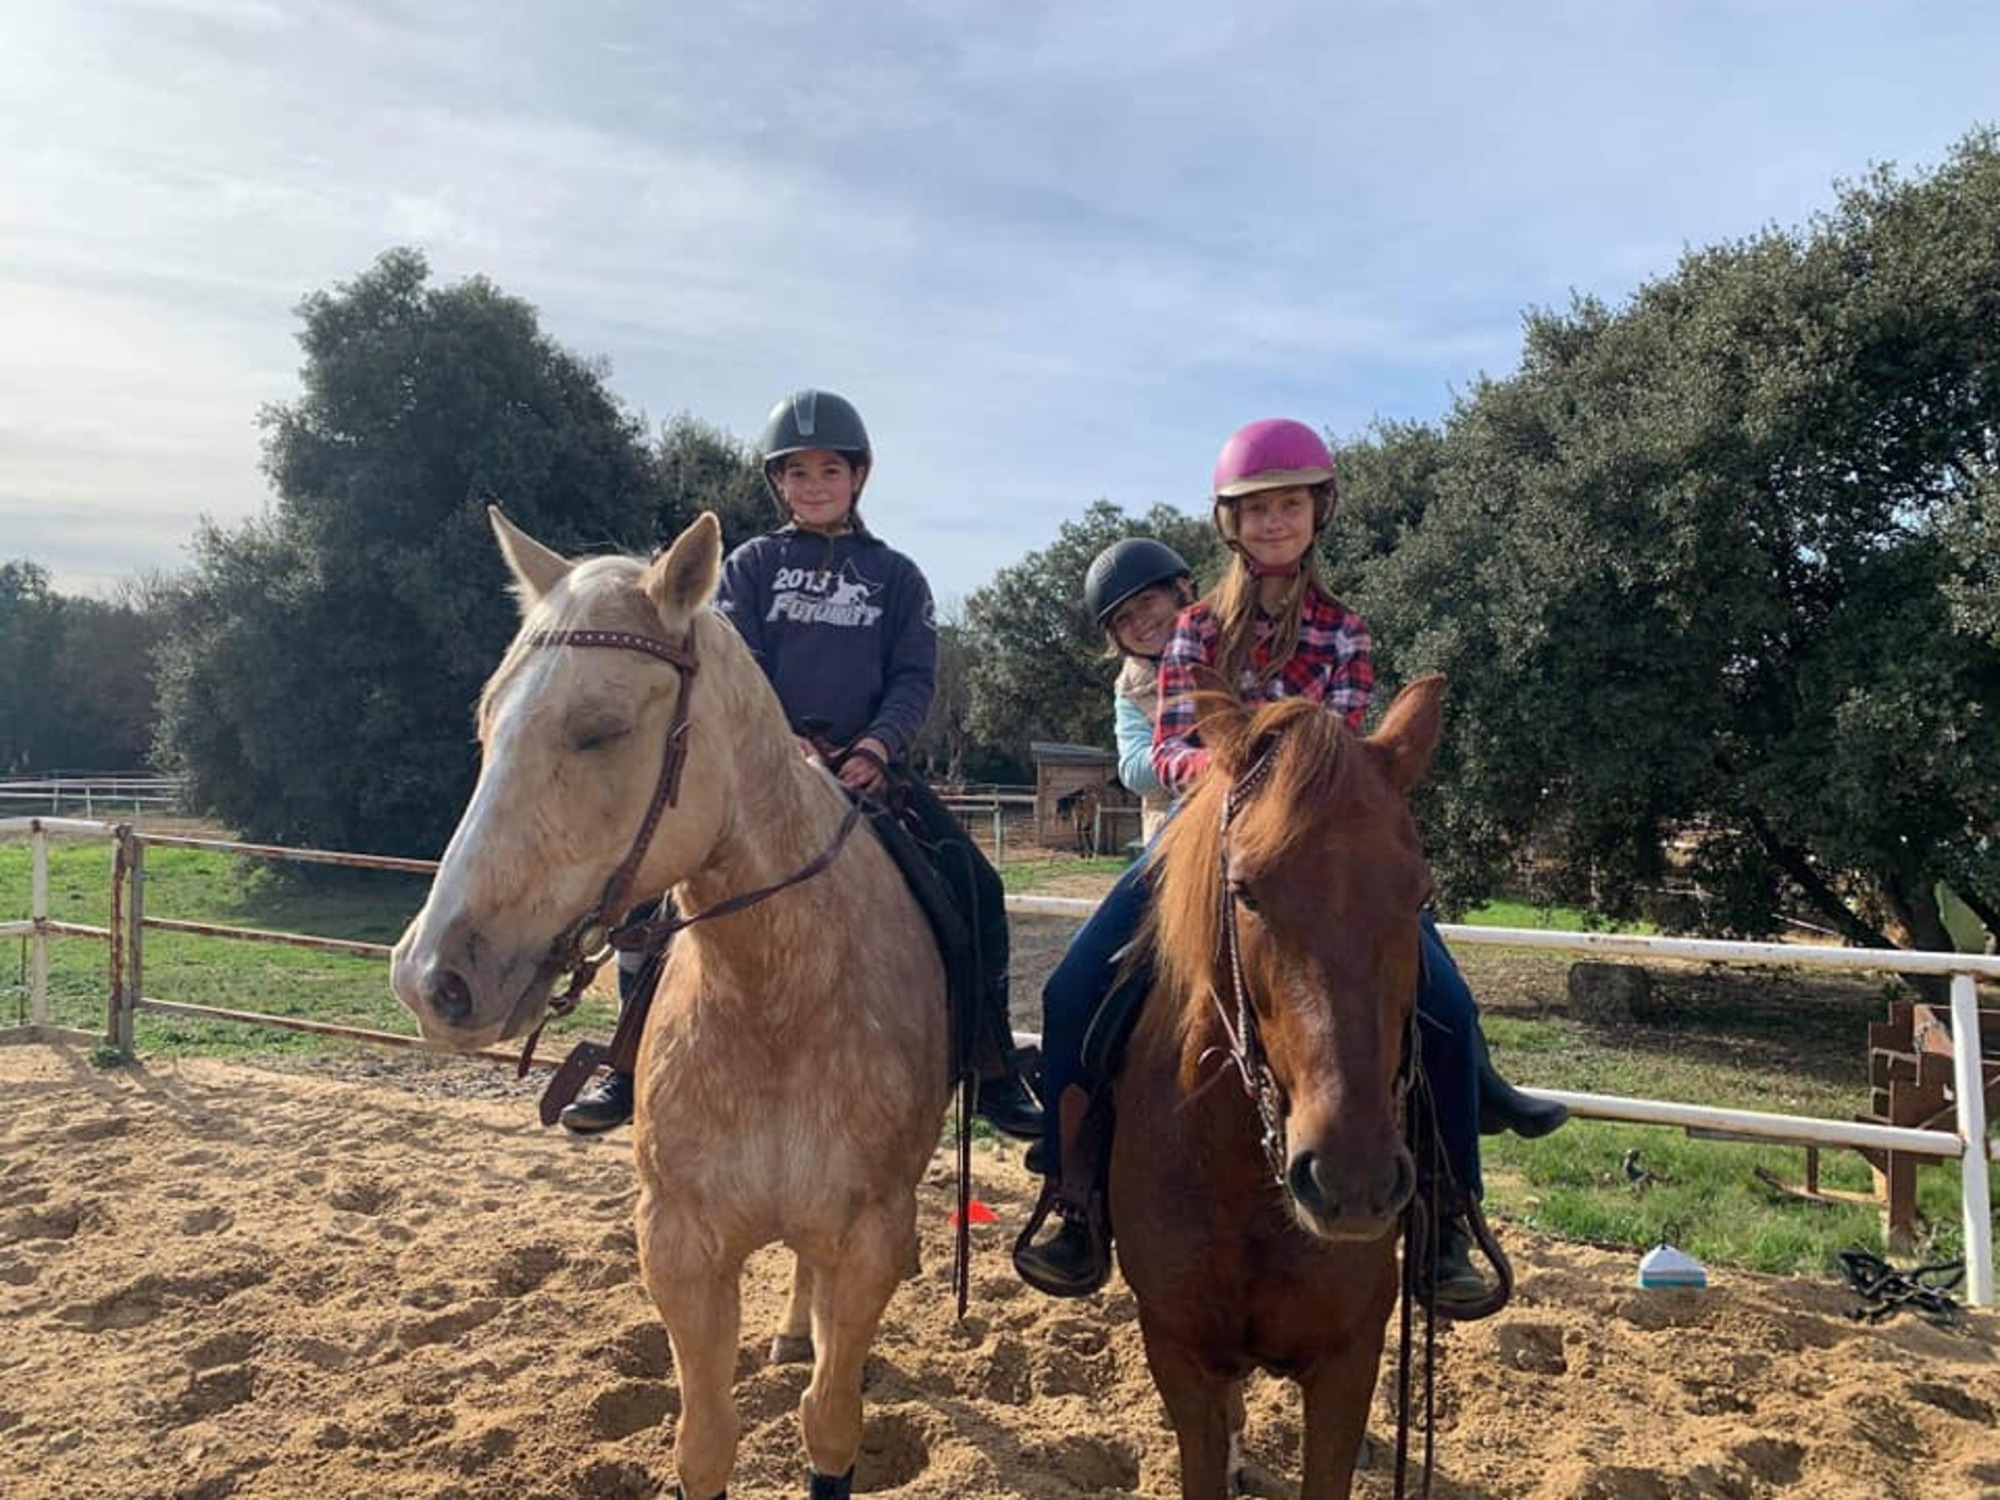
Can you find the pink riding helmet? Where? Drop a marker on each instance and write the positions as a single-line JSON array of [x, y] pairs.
[[1273, 454]]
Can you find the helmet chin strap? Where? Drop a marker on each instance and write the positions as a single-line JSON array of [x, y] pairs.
[[1272, 570]]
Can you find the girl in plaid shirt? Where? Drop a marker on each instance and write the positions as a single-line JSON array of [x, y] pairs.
[[1274, 630]]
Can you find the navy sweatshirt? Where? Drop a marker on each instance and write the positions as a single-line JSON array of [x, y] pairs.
[[844, 629]]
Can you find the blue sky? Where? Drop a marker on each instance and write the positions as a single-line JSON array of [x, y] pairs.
[[1053, 251]]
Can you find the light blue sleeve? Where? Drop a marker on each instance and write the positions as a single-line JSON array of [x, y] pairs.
[[1135, 747]]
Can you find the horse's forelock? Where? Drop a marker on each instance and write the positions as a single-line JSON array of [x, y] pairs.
[[1315, 761]]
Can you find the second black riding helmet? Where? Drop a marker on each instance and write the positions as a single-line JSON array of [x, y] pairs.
[[813, 419], [1126, 568]]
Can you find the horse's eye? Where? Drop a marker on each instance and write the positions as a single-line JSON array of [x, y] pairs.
[[1241, 894], [597, 736]]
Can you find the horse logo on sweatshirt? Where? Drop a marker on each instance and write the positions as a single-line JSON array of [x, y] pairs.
[[818, 596]]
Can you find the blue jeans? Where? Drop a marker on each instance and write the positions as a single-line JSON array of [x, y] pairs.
[[1447, 1017], [1447, 1022], [1080, 984]]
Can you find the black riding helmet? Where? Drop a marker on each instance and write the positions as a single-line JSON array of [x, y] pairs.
[[814, 419], [1126, 568]]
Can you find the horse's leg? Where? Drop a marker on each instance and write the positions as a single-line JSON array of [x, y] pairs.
[[1245, 1476], [793, 1344], [695, 1283], [1198, 1405], [848, 1295], [1337, 1397]]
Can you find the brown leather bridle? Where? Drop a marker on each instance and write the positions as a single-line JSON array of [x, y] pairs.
[[582, 948], [1246, 1046], [1245, 1052]]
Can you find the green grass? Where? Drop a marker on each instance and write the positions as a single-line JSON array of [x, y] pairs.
[[1509, 911], [1025, 876], [202, 885]]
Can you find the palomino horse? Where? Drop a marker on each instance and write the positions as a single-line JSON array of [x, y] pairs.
[[1258, 1169], [753, 1124]]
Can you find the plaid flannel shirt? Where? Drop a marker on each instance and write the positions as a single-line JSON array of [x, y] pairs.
[[1330, 666]]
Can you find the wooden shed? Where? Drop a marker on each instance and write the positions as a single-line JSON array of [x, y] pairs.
[[1079, 802]]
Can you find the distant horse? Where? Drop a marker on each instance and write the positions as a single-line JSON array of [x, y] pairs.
[[1259, 1168], [1078, 808], [792, 1080]]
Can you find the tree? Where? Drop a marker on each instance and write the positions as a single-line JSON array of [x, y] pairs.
[[1039, 669], [321, 661], [103, 704], [941, 744], [30, 636], [76, 687], [701, 467], [1713, 566]]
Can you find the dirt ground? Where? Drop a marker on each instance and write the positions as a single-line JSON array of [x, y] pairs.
[[223, 1280]]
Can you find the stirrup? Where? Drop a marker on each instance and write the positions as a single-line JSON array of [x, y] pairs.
[[1424, 1281], [1090, 1268]]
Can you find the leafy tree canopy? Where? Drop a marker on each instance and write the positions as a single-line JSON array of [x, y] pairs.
[[702, 468], [75, 678], [1717, 568], [322, 660]]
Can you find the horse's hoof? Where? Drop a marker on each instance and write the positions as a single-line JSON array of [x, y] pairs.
[[792, 1349]]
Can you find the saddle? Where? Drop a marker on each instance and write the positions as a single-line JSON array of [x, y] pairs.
[[947, 907]]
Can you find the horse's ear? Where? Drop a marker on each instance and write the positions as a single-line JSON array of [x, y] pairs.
[[683, 577], [535, 568], [1410, 731], [1220, 719]]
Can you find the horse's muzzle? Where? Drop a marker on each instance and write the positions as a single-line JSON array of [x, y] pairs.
[[447, 1000], [1360, 1202]]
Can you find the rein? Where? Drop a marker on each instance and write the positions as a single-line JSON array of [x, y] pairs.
[[584, 947], [1246, 1046]]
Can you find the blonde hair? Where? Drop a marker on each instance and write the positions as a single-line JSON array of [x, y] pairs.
[[1235, 604]]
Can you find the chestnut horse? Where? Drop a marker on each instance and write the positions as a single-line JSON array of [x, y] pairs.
[[792, 1079], [1259, 1167]]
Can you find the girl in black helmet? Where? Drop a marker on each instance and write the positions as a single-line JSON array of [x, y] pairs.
[[842, 625], [1133, 590]]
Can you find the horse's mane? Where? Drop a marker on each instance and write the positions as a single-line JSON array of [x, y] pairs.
[[1315, 765]]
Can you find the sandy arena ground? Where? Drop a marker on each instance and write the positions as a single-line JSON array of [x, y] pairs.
[[221, 1280]]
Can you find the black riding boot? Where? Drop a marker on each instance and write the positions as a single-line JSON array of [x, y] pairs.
[[607, 1102], [1459, 1284], [1504, 1107], [1005, 1100]]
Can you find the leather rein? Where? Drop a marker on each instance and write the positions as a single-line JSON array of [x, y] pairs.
[[1245, 1052], [582, 948]]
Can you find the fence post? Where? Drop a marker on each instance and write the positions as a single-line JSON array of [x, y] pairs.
[[135, 943], [1976, 1165], [999, 831], [38, 912]]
